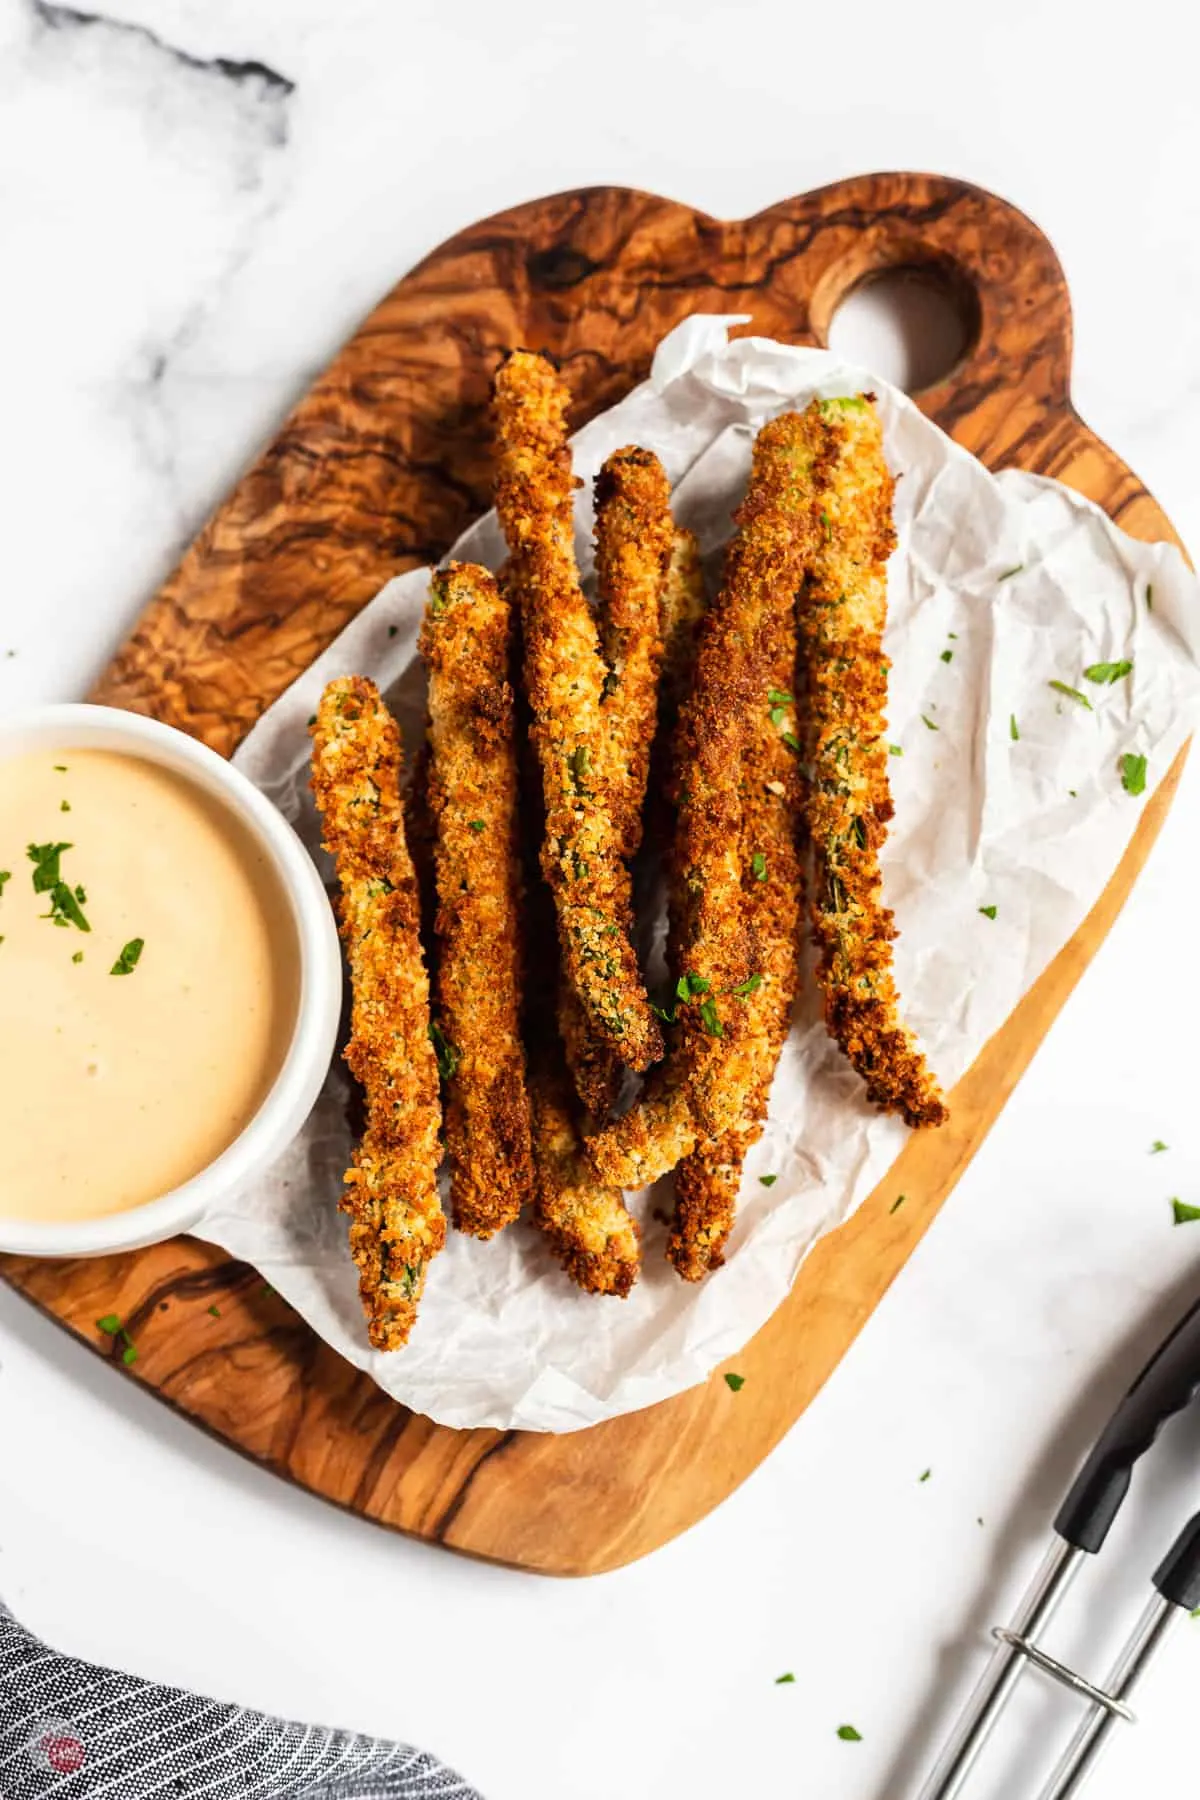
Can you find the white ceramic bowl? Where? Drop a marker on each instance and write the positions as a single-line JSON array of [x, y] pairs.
[[314, 1035]]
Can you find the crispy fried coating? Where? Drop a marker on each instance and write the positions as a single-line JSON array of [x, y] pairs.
[[635, 538], [681, 608], [564, 680], [586, 1225], [396, 1220], [703, 1086], [707, 1181], [842, 617], [466, 642]]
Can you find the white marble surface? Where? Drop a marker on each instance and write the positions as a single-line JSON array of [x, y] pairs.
[[184, 245]]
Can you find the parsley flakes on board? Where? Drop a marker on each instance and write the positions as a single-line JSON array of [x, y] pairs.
[[734, 1382]]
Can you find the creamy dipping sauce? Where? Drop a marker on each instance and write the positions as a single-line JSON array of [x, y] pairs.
[[117, 1087]]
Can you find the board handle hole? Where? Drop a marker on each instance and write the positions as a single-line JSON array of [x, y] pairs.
[[913, 324]]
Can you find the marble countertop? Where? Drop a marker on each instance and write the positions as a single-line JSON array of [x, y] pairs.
[[198, 203]]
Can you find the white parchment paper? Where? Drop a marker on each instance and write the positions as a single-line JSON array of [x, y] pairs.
[[1024, 583]]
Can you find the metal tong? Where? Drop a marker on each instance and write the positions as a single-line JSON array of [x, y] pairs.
[[1166, 1385]]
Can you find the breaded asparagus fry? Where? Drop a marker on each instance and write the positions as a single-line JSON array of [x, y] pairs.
[[703, 1085], [842, 618], [595, 1068], [634, 541], [467, 644], [564, 678], [681, 609], [586, 1225], [396, 1222], [707, 1181]]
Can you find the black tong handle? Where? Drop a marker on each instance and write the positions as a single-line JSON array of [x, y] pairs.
[[1165, 1386]]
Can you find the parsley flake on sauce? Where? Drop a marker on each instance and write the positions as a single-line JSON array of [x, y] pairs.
[[78, 957], [45, 857], [128, 960], [5, 875], [1104, 674], [734, 1382], [1133, 774], [1184, 1214], [1060, 687]]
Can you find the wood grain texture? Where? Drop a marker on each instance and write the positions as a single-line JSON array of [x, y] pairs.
[[377, 471]]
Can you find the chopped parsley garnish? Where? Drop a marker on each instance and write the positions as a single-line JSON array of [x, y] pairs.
[[1184, 1213], [1150, 596], [214, 1312], [5, 875], [64, 806], [687, 985], [781, 1679], [78, 956], [60, 768], [1009, 573], [1157, 1147], [989, 912], [1104, 674], [792, 741], [849, 1735], [46, 874], [1060, 687], [928, 722], [777, 697], [65, 908], [577, 762], [312, 719], [768, 1180], [947, 656], [1133, 774], [925, 1474], [112, 1327], [128, 960], [711, 1019], [392, 630], [1013, 733], [897, 1203], [953, 636], [751, 983], [476, 825], [758, 866], [826, 523], [895, 750], [734, 1382], [448, 1057]]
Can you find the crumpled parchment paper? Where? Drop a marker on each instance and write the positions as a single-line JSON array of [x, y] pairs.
[[1024, 583]]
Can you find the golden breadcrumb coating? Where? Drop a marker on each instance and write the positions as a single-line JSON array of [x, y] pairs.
[[634, 541], [396, 1221], [707, 1181], [703, 1086], [564, 680], [842, 617], [681, 608], [586, 1225], [595, 1068], [466, 642]]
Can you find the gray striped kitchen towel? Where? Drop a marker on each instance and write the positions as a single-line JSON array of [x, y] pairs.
[[72, 1731]]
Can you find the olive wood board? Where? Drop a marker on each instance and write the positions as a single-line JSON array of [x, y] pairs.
[[378, 470]]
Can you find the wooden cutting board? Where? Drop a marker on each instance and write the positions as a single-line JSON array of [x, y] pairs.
[[377, 471]]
